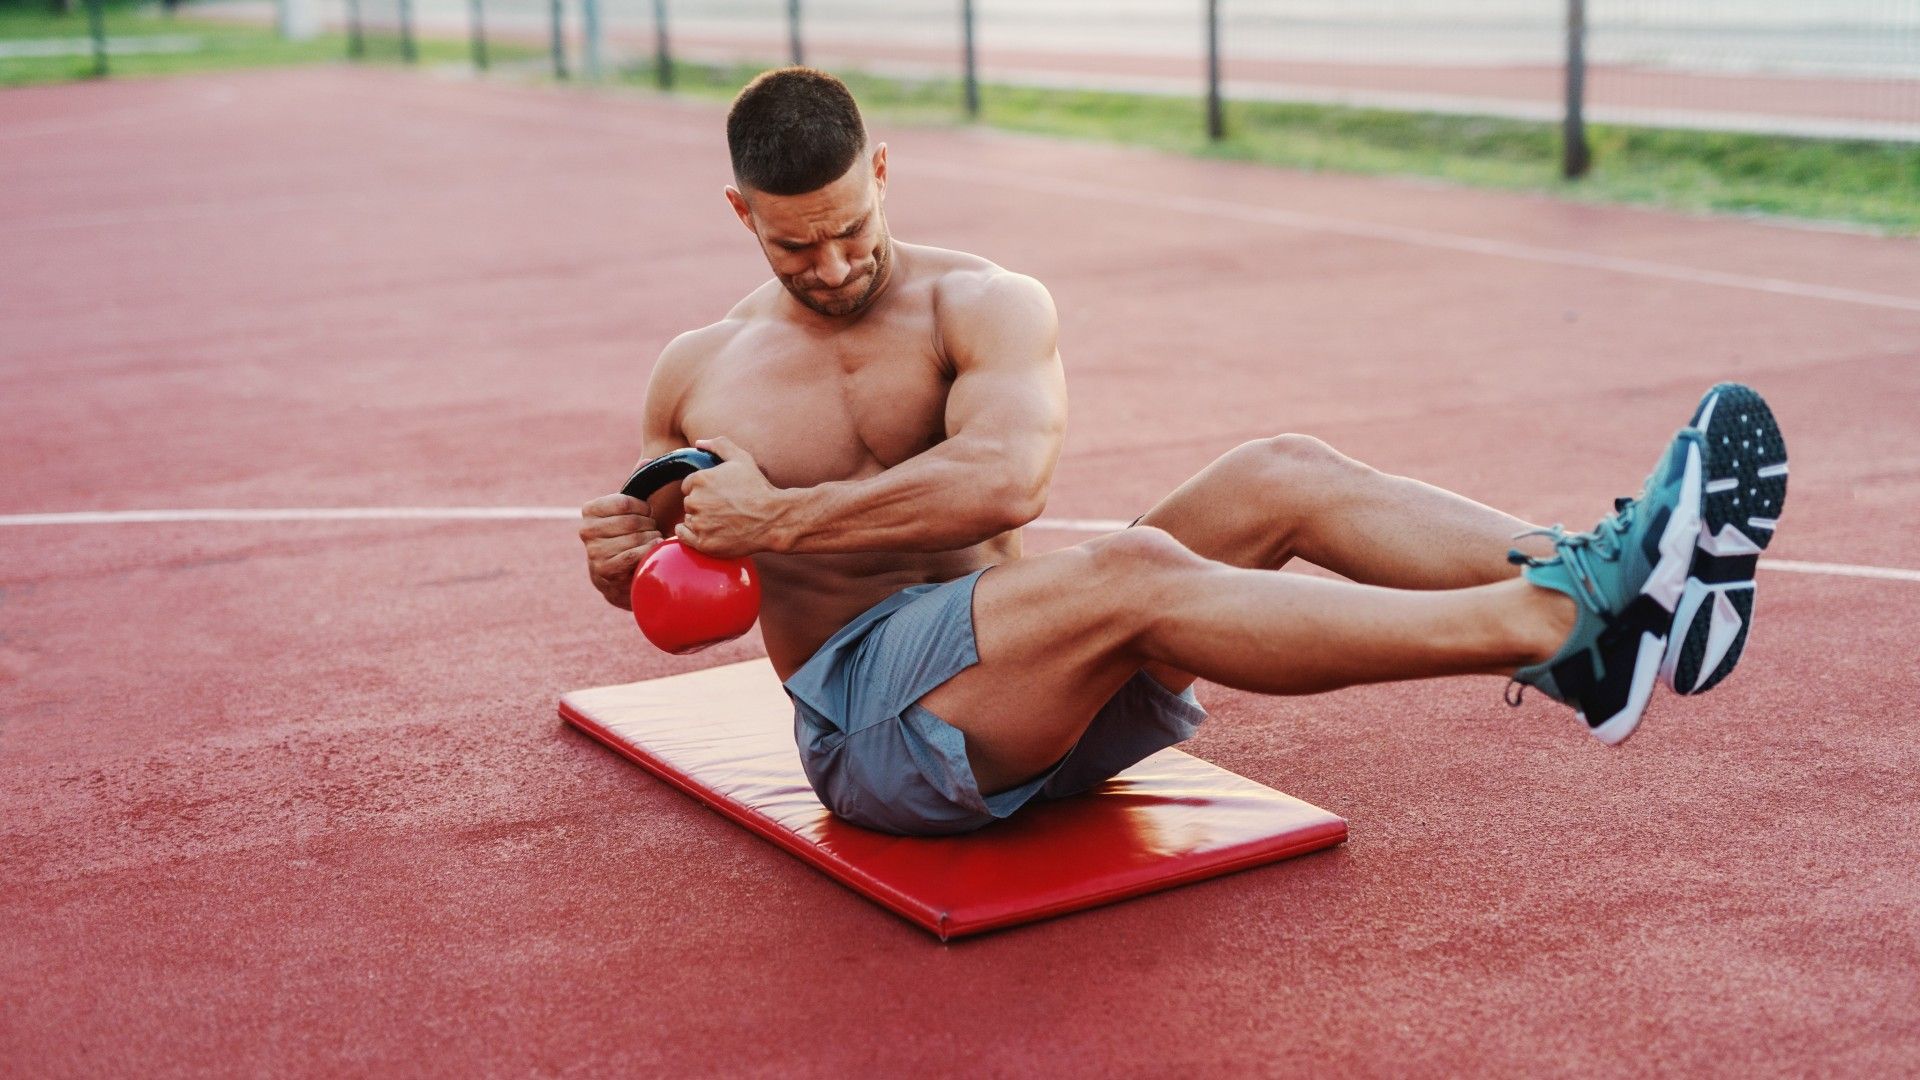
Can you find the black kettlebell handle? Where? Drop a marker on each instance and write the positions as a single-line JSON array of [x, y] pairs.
[[667, 469]]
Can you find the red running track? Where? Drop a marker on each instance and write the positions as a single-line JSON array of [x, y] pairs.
[[291, 798]]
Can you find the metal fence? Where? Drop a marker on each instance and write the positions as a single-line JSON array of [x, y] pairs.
[[1819, 68], [1824, 68]]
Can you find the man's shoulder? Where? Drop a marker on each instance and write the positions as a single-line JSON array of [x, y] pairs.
[[680, 363], [700, 344], [968, 287]]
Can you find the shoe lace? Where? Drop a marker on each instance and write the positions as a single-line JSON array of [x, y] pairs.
[[1578, 550]]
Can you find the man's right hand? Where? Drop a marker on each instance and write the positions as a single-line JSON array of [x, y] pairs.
[[618, 535]]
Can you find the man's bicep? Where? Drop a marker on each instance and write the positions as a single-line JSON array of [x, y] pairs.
[[1009, 391], [660, 432]]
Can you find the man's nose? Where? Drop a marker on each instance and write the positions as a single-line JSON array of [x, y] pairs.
[[833, 270]]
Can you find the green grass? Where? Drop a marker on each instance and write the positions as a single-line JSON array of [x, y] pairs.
[[1870, 184], [1863, 183], [222, 46]]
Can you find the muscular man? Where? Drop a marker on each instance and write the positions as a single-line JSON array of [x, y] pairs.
[[889, 416]]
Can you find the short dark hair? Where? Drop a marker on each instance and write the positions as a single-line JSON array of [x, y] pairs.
[[793, 130]]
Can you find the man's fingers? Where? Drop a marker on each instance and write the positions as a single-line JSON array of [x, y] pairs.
[[613, 506], [628, 560], [607, 547], [724, 448], [604, 528]]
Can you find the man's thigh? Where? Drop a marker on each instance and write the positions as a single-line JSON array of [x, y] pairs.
[[1213, 515], [1055, 635]]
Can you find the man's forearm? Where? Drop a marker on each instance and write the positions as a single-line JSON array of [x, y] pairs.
[[947, 498]]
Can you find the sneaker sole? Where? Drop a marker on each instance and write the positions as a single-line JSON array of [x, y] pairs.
[[1746, 487], [1666, 586]]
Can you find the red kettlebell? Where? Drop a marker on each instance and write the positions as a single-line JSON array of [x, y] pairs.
[[683, 600]]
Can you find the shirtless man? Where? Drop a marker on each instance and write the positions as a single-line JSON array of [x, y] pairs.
[[889, 416]]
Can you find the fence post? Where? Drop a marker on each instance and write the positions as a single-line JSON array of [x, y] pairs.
[[97, 27], [296, 20], [662, 54], [356, 40], [477, 16], [972, 75], [408, 50], [1575, 155], [590, 31], [793, 32], [1216, 123], [556, 11]]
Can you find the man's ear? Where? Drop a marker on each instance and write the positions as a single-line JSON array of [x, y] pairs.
[[880, 169], [740, 208]]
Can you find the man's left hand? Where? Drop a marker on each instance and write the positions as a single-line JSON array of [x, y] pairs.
[[729, 509]]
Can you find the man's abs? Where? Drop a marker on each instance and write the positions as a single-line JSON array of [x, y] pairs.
[[807, 598]]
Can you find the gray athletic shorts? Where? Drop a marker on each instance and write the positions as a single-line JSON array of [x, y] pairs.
[[879, 760]]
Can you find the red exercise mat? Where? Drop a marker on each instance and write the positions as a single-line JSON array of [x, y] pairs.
[[725, 736]]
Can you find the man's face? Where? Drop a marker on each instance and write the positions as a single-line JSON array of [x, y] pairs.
[[828, 247]]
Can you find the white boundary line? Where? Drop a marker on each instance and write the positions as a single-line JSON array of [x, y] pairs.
[[565, 513], [652, 128], [1427, 238], [126, 114], [343, 513], [1886, 573]]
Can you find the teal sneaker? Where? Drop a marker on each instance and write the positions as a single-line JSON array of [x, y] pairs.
[[1626, 577], [1746, 488]]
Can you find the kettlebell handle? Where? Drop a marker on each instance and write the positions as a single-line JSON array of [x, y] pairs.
[[666, 469]]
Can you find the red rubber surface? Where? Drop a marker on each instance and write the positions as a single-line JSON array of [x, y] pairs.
[[290, 799], [725, 737]]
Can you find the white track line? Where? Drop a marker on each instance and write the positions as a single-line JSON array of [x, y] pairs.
[[1886, 573], [566, 513], [1427, 238], [126, 114], [1246, 212], [346, 513]]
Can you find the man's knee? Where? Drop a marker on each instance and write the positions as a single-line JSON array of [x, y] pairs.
[[1140, 550], [1134, 575], [1293, 450], [1295, 463]]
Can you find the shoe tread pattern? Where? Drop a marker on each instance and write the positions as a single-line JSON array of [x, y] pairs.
[[1741, 440], [1693, 647]]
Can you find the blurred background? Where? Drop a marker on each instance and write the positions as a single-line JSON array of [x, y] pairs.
[[1802, 108]]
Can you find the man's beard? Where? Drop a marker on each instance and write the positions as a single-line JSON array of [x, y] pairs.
[[852, 305]]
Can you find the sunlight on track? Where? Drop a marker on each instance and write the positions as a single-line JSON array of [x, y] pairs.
[[563, 513], [212, 97]]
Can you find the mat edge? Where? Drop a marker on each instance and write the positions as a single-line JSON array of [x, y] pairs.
[[788, 840]]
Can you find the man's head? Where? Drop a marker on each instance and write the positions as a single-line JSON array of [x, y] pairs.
[[809, 190]]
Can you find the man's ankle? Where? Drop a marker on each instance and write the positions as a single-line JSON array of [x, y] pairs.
[[1552, 616]]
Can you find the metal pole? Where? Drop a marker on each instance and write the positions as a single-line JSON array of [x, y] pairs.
[[590, 30], [972, 73], [662, 55], [356, 40], [793, 31], [97, 24], [1576, 156], [1216, 123], [477, 16], [408, 51], [558, 13]]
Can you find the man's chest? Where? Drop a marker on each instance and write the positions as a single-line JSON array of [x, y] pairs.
[[811, 415]]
